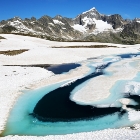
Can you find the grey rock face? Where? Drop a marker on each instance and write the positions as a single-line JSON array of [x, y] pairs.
[[45, 20], [64, 22], [3, 22], [7, 29], [91, 26], [69, 20], [78, 20], [115, 20], [33, 19], [131, 33], [1, 30], [105, 37]]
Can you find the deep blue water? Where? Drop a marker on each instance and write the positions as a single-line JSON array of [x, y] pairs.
[[56, 106], [129, 55], [59, 69]]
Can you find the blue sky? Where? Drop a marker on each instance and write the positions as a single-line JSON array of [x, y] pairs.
[[68, 8]]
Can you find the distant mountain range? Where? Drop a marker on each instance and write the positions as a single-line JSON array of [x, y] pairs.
[[87, 26]]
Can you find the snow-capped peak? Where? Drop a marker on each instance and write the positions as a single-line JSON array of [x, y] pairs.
[[92, 9]]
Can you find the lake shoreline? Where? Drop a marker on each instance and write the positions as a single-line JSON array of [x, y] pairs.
[[15, 79]]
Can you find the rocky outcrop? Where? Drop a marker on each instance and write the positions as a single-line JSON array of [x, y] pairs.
[[91, 26], [8, 29], [115, 20], [105, 37], [57, 27], [131, 33]]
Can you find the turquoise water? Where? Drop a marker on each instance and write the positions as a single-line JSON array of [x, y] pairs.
[[21, 123]]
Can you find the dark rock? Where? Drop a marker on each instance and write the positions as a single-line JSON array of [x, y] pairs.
[[33, 19], [8, 29], [115, 20], [131, 33]]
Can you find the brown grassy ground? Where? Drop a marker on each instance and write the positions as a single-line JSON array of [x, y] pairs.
[[92, 46], [13, 52]]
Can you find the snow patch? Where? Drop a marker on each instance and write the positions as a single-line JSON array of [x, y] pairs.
[[20, 26], [101, 26], [58, 22], [51, 24], [118, 30], [33, 22], [14, 23], [138, 21], [79, 28], [12, 80], [134, 115]]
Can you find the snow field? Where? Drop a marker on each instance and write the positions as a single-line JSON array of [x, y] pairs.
[[15, 79]]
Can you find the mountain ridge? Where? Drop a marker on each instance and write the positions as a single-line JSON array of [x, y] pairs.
[[87, 26]]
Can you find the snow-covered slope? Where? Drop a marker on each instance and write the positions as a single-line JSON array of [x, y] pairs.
[[98, 26], [79, 28], [92, 21]]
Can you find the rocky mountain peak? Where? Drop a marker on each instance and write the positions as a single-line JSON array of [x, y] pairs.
[[58, 17], [91, 10], [88, 26], [92, 13], [45, 20], [15, 19], [33, 18]]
